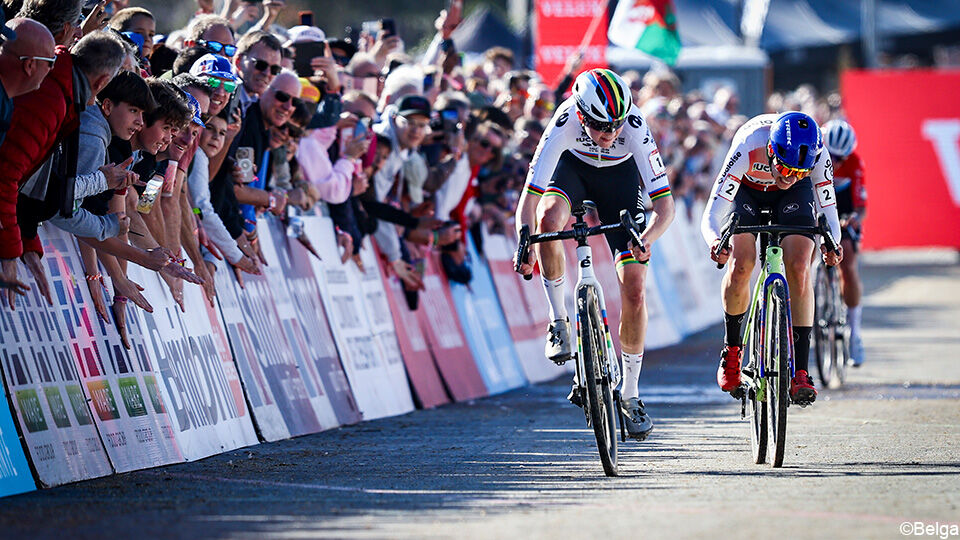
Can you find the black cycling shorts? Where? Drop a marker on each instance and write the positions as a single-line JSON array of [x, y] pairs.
[[611, 188], [793, 207]]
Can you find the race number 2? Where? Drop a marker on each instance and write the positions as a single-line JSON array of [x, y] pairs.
[[728, 189], [825, 194]]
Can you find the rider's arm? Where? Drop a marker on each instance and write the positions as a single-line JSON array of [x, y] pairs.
[[551, 146], [825, 198], [724, 190]]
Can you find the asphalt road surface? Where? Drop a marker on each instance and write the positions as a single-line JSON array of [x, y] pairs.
[[873, 460]]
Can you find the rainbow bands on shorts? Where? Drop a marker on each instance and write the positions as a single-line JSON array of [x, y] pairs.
[[534, 190], [660, 193], [557, 192], [625, 257]]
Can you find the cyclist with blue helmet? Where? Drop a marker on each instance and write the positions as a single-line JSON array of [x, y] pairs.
[[778, 162], [598, 147]]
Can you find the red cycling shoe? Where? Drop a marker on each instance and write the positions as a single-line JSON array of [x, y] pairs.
[[802, 390], [728, 374]]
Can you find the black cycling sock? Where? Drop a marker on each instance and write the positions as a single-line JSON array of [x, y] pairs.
[[801, 347], [732, 323]]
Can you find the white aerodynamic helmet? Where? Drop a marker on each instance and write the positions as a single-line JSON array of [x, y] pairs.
[[839, 138], [603, 99]]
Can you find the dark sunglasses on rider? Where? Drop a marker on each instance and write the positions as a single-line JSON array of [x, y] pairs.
[[596, 125], [228, 86], [262, 65], [218, 48]]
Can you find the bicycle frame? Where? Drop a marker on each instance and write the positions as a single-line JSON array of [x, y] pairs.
[[587, 277], [772, 270]]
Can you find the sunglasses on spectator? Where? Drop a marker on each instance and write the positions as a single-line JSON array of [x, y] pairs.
[[51, 60], [283, 97], [341, 60], [228, 86], [262, 65], [293, 130], [216, 47], [487, 145]]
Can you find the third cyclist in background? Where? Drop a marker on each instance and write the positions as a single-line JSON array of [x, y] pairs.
[[841, 141]]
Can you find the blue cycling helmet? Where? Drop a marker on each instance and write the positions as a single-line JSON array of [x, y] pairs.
[[795, 140]]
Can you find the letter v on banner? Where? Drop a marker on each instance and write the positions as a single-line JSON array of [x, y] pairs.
[[944, 134]]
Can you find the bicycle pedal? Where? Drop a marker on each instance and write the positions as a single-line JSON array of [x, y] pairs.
[[739, 392], [803, 403]]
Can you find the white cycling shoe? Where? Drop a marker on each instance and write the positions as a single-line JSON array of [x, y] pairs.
[[558, 348]]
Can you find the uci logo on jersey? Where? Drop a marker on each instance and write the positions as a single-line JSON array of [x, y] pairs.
[[762, 167]]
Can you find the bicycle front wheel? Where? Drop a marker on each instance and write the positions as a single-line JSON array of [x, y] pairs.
[[777, 356], [596, 377]]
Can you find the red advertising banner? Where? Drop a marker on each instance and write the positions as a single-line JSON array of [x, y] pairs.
[[413, 344], [908, 130], [561, 26], [439, 320]]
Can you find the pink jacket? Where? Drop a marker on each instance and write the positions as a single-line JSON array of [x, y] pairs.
[[334, 181]]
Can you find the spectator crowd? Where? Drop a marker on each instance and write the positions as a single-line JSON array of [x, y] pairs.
[[155, 149]]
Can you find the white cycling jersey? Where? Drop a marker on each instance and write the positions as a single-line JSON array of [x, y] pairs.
[[747, 164], [564, 132]]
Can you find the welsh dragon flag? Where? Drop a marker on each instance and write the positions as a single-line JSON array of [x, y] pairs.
[[647, 25]]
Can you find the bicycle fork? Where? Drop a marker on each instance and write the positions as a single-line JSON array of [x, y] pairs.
[[611, 369], [773, 271]]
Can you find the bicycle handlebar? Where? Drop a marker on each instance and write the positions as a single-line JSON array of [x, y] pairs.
[[627, 222], [732, 227]]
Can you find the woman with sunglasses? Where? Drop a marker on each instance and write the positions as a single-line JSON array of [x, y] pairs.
[[774, 161], [598, 147]]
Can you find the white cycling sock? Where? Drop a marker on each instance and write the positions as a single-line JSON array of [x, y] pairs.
[[556, 297], [853, 317], [631, 374]]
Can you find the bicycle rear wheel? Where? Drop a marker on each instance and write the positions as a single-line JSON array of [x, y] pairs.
[[777, 356], [822, 329], [756, 400], [596, 378]]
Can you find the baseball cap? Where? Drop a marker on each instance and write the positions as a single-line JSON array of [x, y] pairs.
[[5, 31], [213, 65], [304, 34], [410, 105], [195, 107], [309, 92]]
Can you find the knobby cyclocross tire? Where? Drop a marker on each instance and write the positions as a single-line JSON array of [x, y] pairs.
[[777, 354], [823, 329], [756, 402], [599, 393], [841, 331]]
